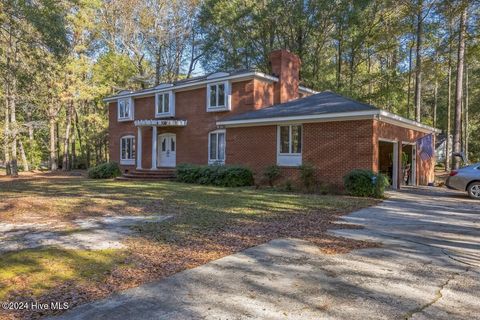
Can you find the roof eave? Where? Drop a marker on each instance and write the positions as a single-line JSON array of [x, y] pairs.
[[341, 116]]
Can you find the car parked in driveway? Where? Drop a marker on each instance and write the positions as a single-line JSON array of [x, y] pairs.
[[466, 179]]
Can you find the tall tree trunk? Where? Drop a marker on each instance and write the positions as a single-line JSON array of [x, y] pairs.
[[6, 135], [352, 69], [11, 95], [435, 102], [409, 92], [105, 150], [79, 133], [57, 134], [449, 102], [466, 114], [14, 127], [457, 133], [53, 144], [26, 167], [369, 70], [66, 141], [31, 139], [158, 64], [73, 162], [339, 62], [435, 105], [418, 67]]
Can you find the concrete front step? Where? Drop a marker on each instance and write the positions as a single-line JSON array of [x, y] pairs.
[[146, 174], [130, 178]]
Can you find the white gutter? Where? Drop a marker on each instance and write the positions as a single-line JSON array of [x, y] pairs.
[[303, 118], [307, 90], [340, 116], [190, 85], [404, 122]]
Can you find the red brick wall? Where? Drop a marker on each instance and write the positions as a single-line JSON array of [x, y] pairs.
[[254, 147], [263, 94], [335, 148], [425, 169], [115, 132]]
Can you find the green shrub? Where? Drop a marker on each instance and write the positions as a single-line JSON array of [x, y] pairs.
[[224, 176], [307, 175], [288, 185], [105, 171], [188, 173], [271, 174], [365, 183]]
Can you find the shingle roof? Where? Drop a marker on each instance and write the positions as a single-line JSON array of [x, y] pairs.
[[316, 104]]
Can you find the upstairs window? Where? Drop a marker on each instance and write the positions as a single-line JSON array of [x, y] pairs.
[[216, 147], [127, 150], [125, 109], [164, 104], [289, 145], [218, 97]]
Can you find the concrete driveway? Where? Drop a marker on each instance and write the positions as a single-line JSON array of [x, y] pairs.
[[427, 268]]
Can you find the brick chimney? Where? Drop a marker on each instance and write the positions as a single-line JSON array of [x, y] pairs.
[[286, 66]]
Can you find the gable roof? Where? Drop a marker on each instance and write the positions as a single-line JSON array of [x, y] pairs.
[[191, 82], [324, 106], [316, 104]]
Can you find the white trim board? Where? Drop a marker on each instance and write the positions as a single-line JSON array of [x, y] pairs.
[[193, 84]]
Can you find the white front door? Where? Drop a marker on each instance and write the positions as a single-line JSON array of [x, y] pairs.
[[167, 147]]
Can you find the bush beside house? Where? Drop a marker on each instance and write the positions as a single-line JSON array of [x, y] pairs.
[[224, 176], [365, 183], [105, 171], [271, 174]]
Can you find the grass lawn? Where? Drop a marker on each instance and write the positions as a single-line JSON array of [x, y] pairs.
[[208, 223]]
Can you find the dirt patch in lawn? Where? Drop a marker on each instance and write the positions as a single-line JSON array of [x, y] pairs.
[[207, 223]]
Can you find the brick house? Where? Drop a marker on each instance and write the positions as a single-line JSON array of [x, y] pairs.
[[254, 119]]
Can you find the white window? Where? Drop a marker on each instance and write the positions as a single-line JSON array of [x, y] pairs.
[[218, 97], [216, 147], [164, 104], [127, 150], [289, 143], [125, 109]]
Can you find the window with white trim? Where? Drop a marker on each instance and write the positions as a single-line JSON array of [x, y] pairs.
[[125, 109], [218, 96], [289, 145], [216, 147], [164, 104], [127, 150]]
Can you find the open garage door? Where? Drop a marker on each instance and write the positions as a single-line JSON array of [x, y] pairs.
[[409, 164], [388, 160]]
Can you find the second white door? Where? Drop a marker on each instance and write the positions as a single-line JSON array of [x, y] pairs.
[[167, 146]]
